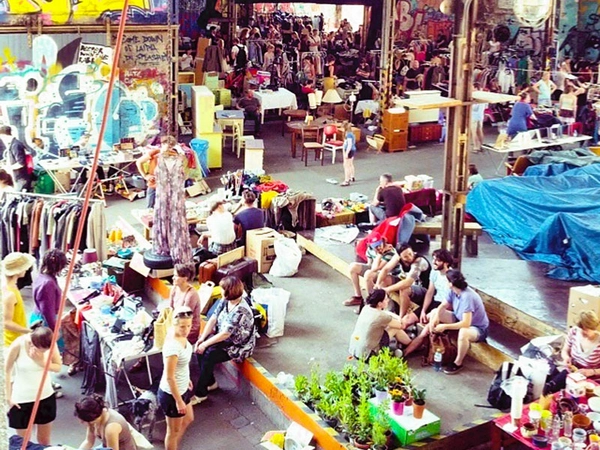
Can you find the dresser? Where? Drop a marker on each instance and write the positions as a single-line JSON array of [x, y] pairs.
[[424, 132], [395, 130]]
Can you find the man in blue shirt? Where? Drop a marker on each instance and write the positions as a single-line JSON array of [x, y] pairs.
[[248, 218]]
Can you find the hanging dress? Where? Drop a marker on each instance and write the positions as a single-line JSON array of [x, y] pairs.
[[171, 235]]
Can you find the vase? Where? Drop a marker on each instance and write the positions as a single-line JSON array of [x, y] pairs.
[[381, 396], [418, 410], [397, 408]]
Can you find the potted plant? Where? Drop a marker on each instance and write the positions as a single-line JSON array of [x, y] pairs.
[[380, 429], [347, 413], [314, 387], [301, 388], [418, 396], [399, 395], [327, 407], [364, 423], [378, 373]]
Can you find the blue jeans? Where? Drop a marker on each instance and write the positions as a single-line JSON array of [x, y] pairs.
[[151, 194], [378, 212]]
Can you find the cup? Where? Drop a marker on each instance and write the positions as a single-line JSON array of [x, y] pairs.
[[535, 416], [579, 435], [546, 420]]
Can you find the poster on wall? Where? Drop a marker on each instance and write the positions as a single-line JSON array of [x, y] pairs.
[[506, 4], [94, 54]]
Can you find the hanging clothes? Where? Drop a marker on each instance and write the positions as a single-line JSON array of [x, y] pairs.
[[171, 235]]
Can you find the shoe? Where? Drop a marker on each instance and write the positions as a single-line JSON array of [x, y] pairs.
[[56, 386], [353, 179], [398, 353], [353, 301], [452, 368], [213, 387], [197, 400], [366, 226], [59, 394], [139, 365], [345, 183], [356, 311], [73, 369]]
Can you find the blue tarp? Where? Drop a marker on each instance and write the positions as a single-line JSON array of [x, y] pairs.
[[551, 219]]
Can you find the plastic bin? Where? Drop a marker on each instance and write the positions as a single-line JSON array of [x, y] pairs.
[[200, 146]]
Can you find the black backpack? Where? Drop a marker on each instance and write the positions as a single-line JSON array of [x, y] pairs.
[[241, 59]]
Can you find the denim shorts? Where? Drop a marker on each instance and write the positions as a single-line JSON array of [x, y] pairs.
[[482, 333]]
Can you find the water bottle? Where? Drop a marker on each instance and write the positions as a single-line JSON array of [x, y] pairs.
[[568, 424], [437, 359], [556, 426]]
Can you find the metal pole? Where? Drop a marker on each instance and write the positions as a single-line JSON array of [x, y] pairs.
[[387, 53], [456, 150]]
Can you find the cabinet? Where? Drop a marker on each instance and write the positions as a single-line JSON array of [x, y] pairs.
[[424, 132], [395, 130], [215, 146], [203, 103]]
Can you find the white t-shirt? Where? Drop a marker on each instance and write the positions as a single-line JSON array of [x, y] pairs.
[[182, 370], [27, 376], [441, 285], [220, 227]]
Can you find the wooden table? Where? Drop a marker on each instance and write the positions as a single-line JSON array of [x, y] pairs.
[[296, 128], [230, 118], [292, 114]]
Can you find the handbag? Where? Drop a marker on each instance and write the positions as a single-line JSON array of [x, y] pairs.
[[205, 293], [442, 342], [161, 326], [496, 395]]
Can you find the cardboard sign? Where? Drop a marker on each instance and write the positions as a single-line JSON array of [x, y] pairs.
[[94, 54]]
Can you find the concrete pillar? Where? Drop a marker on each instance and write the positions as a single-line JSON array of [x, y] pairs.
[[338, 16]]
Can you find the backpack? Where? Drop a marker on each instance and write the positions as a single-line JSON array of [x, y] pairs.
[[29, 164], [496, 395], [443, 341], [241, 59]]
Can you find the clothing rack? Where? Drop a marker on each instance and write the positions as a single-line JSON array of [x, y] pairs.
[[50, 197]]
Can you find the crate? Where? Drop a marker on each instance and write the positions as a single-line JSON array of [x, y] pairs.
[[260, 245]]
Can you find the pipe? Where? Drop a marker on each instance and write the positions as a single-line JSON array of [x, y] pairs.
[[86, 202]]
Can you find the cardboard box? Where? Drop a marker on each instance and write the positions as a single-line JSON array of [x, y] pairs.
[[582, 298], [344, 217], [260, 245], [408, 429]]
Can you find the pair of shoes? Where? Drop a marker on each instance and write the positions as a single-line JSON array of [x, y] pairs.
[[353, 179], [195, 400], [452, 368], [59, 394], [56, 386], [213, 387], [353, 301], [73, 369], [345, 183], [139, 365]]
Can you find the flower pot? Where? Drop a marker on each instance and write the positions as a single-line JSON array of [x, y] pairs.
[[361, 445], [397, 408], [418, 410], [379, 447], [381, 396]]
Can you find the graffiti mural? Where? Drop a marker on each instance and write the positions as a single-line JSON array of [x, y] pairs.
[[58, 104], [61, 12], [421, 18]]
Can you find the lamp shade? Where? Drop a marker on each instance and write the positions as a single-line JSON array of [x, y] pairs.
[[90, 255], [332, 96]]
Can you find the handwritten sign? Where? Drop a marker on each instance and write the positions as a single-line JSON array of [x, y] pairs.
[[142, 50], [94, 54]]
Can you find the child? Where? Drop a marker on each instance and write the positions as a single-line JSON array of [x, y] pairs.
[[349, 150]]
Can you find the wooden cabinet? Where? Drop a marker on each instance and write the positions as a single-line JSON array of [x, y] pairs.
[[395, 130], [424, 132]]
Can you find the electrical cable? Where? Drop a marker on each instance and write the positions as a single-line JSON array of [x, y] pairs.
[[86, 202]]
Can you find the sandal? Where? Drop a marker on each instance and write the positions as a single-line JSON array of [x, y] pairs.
[[345, 183], [355, 300]]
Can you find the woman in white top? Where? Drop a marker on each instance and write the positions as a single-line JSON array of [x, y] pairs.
[[545, 87], [567, 105], [221, 231], [175, 388], [26, 358]]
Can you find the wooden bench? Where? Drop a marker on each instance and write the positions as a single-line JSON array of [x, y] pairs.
[[471, 230]]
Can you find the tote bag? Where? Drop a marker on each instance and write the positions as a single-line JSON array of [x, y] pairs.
[[161, 327]]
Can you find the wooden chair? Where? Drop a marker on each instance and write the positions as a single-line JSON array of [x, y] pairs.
[[376, 142], [518, 167], [235, 133], [311, 141], [331, 142]]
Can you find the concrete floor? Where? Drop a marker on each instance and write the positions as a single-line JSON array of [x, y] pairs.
[[318, 326]]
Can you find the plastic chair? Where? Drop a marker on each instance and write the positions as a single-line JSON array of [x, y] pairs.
[[518, 167], [312, 101], [331, 142], [311, 141]]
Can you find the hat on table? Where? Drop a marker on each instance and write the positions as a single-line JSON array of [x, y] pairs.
[[15, 263]]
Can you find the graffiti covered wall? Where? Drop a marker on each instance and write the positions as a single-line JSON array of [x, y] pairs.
[[421, 18], [582, 35], [56, 90], [61, 12]]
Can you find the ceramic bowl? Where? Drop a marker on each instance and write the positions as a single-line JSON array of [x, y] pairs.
[[581, 421], [539, 440], [565, 441], [594, 404], [594, 416], [528, 430]]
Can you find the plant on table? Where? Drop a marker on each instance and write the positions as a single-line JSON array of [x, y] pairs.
[[381, 428], [364, 426], [301, 388], [347, 411], [314, 386], [418, 396]]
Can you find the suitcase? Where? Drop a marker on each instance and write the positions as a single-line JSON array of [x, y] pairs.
[[206, 271], [243, 268]]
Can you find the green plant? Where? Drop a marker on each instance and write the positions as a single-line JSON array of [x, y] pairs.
[[419, 395], [327, 406], [364, 420], [398, 393], [347, 412], [314, 385], [334, 383], [380, 425], [301, 387]]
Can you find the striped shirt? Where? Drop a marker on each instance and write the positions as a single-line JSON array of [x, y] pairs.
[[582, 359]]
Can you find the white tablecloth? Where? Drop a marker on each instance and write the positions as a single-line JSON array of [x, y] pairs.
[[282, 99], [371, 105]]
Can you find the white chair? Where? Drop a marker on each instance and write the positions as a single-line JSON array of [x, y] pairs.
[[234, 132], [312, 101], [331, 142]]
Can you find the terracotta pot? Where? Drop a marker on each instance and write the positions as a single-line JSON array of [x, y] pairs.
[[418, 410], [360, 445], [398, 408]]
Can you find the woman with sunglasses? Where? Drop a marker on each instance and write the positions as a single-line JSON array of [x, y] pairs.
[[175, 388], [228, 334]]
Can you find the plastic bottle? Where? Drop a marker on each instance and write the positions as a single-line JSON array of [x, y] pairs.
[[437, 359], [555, 430], [568, 424]]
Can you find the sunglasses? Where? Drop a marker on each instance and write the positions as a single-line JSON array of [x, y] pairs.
[[184, 315]]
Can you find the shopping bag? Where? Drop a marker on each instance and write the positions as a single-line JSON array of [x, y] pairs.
[[161, 326], [497, 397], [205, 293], [275, 301], [287, 258]]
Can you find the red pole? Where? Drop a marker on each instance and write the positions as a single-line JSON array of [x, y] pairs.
[[86, 203]]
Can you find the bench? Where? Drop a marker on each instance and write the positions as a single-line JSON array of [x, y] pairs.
[[471, 230]]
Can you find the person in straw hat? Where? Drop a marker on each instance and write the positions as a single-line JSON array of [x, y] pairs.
[[13, 267]]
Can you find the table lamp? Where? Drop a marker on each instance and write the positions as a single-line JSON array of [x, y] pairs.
[[332, 97]]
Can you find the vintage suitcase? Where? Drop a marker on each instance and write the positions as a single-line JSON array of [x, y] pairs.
[[206, 271], [242, 268]]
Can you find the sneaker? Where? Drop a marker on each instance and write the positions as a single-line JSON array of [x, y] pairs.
[[59, 394], [452, 368], [213, 387], [56, 386], [398, 353], [197, 400], [355, 300]]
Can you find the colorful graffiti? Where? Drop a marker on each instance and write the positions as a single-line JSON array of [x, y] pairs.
[[60, 12], [422, 18], [41, 98]]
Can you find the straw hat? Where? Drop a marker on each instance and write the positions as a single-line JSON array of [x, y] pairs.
[[16, 263]]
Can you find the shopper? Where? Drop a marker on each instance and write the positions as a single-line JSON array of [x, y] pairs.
[[388, 200], [25, 361], [46, 291], [520, 113], [14, 266], [251, 106], [375, 327], [474, 177], [545, 88], [147, 163], [104, 424], [477, 117], [221, 232], [6, 182], [228, 335], [567, 105], [348, 151], [249, 217], [14, 154], [183, 294], [175, 389]]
